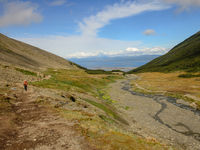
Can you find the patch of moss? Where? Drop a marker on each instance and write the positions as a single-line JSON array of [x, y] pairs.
[[103, 95], [127, 108], [26, 72], [108, 111]]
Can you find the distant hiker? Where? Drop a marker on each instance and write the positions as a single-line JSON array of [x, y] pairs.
[[25, 85]]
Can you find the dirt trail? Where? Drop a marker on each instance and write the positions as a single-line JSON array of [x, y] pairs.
[[158, 116], [38, 127]]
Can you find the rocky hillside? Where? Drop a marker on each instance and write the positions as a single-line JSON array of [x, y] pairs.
[[185, 56], [13, 52]]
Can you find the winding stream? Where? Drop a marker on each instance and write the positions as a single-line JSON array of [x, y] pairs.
[[160, 100]]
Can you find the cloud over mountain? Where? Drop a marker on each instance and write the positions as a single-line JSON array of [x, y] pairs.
[[130, 51]]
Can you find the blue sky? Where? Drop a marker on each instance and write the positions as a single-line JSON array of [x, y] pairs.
[[82, 28]]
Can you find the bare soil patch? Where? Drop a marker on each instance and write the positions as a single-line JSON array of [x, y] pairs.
[[26, 125]]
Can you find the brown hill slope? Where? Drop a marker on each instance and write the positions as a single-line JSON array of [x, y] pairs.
[[20, 54]]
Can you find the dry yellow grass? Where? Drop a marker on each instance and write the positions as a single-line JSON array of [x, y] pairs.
[[169, 82]]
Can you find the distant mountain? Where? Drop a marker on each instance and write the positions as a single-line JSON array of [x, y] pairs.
[[17, 53], [185, 56], [113, 62]]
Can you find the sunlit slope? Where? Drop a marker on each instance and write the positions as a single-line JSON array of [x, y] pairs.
[[185, 56], [20, 54]]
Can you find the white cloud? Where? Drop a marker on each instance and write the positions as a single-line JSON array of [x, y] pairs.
[[90, 25], [145, 51], [149, 32], [83, 55], [19, 13], [131, 51], [66, 46], [88, 43], [81, 46], [184, 4], [57, 2]]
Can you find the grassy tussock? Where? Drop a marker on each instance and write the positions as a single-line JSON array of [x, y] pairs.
[[104, 96], [26, 72], [108, 111]]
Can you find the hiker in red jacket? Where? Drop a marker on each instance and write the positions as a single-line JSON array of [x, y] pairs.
[[25, 85]]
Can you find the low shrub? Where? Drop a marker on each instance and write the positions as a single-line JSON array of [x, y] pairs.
[[188, 75]]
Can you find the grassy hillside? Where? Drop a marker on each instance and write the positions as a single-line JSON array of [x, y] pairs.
[[23, 55], [185, 56]]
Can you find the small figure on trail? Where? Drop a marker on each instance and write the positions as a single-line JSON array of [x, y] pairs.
[[25, 85]]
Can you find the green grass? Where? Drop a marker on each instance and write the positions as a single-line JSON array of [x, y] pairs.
[[108, 111], [80, 81], [127, 108], [76, 80], [104, 96], [26, 72]]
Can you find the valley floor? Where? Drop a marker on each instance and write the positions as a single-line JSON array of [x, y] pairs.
[[156, 116], [63, 112], [74, 110]]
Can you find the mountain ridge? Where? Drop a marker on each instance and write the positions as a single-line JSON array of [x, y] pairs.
[[24, 55], [183, 57]]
